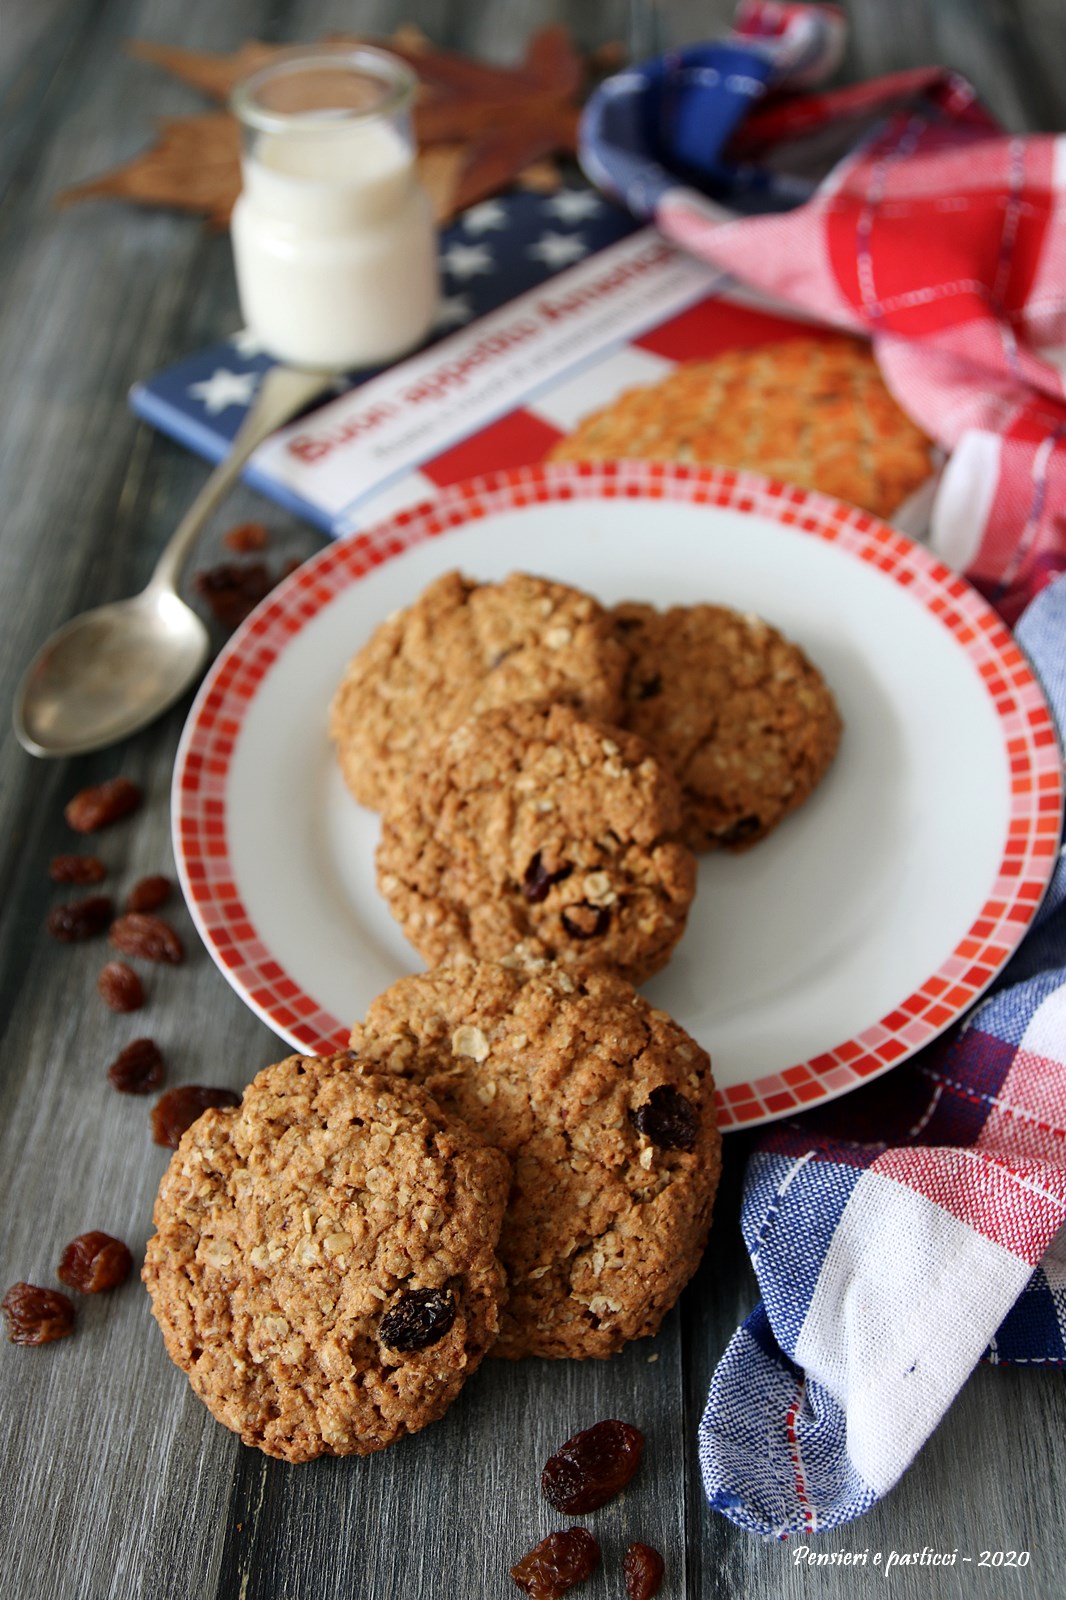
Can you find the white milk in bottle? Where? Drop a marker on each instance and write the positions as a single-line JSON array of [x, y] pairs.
[[333, 237]]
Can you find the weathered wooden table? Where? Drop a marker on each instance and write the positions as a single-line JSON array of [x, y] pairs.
[[115, 1481]]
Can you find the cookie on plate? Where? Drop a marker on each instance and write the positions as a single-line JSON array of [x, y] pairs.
[[532, 823], [324, 1267], [461, 648], [813, 411], [744, 720], [605, 1107]]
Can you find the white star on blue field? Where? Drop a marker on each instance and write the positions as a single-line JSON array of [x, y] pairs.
[[490, 215], [246, 343], [558, 249], [452, 311], [573, 205], [224, 389], [466, 260]]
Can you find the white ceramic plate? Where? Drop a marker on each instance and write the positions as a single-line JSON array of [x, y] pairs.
[[855, 933]]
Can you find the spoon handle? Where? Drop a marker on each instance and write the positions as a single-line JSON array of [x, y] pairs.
[[282, 394]]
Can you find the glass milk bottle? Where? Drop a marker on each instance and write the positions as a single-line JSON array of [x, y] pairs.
[[333, 237]]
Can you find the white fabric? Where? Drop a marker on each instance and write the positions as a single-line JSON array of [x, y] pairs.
[[964, 499], [911, 1323]]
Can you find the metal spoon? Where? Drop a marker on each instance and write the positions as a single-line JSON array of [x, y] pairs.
[[111, 671]]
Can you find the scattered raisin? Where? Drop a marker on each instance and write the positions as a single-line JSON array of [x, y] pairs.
[[538, 880], [586, 921], [592, 1467], [741, 831], [178, 1109], [101, 804], [419, 1318], [246, 537], [642, 1568], [149, 894], [36, 1316], [667, 1119], [233, 589], [93, 1262], [139, 1068], [119, 987], [555, 1564], [138, 934], [80, 919], [650, 688], [81, 870]]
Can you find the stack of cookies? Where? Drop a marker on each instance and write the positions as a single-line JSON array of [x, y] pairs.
[[545, 768], [509, 1158], [518, 1154]]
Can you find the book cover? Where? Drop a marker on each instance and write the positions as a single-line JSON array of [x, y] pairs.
[[540, 346]]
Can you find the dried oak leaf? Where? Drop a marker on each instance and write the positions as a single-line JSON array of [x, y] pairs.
[[193, 166], [479, 127], [213, 75], [498, 155]]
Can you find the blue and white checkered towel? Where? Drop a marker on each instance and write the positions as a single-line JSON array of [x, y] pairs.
[[902, 1234]]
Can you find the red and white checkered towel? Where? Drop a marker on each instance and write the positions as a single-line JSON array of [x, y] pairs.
[[937, 234]]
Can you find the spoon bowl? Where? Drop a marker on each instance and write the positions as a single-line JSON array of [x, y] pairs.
[[130, 660], [111, 671]]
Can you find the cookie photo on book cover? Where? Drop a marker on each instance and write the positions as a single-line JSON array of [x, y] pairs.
[[811, 410]]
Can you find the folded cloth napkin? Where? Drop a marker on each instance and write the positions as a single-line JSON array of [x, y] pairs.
[[895, 1235], [914, 1226], [936, 234]]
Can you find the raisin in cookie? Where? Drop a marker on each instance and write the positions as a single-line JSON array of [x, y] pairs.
[[531, 823], [464, 647], [809, 410], [605, 1107], [324, 1267], [740, 715]]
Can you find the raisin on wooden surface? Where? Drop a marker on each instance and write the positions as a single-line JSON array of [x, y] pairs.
[[418, 1319], [138, 1069], [667, 1119], [233, 589], [592, 1467], [119, 987], [149, 893], [80, 870], [246, 537], [557, 1563], [35, 1315], [138, 933], [642, 1568], [102, 804], [93, 1262], [179, 1108], [80, 919]]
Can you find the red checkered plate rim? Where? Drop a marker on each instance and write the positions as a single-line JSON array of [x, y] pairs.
[[799, 522]]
